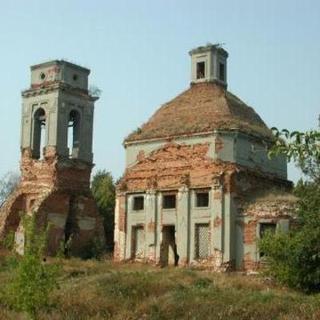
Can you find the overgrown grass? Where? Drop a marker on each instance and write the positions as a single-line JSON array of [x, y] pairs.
[[105, 290]]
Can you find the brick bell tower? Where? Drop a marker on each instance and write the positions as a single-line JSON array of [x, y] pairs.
[[56, 159]]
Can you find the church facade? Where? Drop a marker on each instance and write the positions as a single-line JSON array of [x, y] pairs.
[[199, 187]]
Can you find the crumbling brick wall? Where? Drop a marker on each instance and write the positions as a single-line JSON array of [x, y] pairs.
[[56, 191]]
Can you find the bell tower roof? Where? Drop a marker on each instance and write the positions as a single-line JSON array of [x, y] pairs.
[[54, 71]]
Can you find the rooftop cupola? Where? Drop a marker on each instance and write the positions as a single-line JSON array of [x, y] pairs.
[[209, 64]]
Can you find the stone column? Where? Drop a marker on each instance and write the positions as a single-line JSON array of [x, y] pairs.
[[150, 225], [217, 222], [120, 227], [182, 225]]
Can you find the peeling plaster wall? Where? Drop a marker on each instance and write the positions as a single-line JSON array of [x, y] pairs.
[[136, 150], [278, 212], [254, 154], [226, 146]]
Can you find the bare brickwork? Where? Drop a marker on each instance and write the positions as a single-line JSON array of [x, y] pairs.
[[199, 188], [56, 160]]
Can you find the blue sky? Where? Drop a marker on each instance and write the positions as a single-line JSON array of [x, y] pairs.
[[138, 54]]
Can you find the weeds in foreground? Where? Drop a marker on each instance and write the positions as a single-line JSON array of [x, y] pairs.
[[97, 290], [32, 279]]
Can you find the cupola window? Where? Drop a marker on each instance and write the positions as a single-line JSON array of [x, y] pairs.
[[201, 70], [222, 72]]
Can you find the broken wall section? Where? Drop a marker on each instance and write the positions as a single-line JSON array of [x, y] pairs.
[[56, 191]]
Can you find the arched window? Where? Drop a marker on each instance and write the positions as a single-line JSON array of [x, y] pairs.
[[39, 133], [74, 133]]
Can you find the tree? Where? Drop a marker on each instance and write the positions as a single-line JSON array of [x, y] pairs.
[[103, 189], [294, 257], [7, 184]]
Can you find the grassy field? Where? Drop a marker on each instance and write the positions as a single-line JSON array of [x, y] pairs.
[[105, 290]]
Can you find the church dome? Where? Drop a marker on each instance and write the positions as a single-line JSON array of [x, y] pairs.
[[203, 108]]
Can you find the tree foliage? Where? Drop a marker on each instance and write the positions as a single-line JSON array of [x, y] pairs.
[[294, 257], [7, 184], [103, 189], [301, 147]]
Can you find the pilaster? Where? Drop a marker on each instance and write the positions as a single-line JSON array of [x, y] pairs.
[[120, 227], [151, 225], [182, 225], [158, 227], [217, 220]]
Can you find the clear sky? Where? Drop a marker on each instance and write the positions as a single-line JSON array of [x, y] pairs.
[[137, 51]]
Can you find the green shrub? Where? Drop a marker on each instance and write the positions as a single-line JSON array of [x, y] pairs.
[[34, 278], [294, 258]]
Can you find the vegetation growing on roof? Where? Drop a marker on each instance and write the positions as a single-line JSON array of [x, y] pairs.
[[204, 107]]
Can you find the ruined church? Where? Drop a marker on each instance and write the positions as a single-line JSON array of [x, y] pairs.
[[199, 188], [56, 160]]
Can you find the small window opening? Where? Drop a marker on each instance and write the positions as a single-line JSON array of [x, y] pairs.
[[75, 77], [169, 201], [202, 199], [201, 70], [39, 134], [264, 229], [222, 73], [138, 203], [73, 133]]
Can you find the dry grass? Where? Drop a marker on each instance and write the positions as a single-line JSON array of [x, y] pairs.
[[105, 290]]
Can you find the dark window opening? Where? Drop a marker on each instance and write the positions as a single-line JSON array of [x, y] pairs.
[[39, 134], [264, 229], [202, 199], [75, 77], [138, 203], [201, 70], [169, 201], [222, 73], [73, 133]]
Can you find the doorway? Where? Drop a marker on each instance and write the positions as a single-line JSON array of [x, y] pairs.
[[169, 254], [138, 238]]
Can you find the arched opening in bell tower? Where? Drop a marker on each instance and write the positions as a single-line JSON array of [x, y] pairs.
[[73, 133], [39, 133]]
